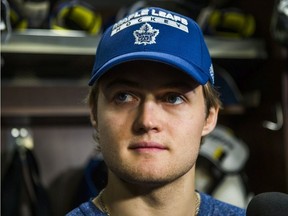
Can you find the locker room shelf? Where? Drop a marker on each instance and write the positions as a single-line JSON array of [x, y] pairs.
[[77, 43]]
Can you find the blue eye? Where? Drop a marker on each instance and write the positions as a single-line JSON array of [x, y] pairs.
[[174, 99], [123, 97]]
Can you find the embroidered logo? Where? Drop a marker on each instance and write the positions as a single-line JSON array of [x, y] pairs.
[[145, 35], [211, 70]]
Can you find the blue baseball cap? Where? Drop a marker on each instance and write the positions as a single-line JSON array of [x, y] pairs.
[[155, 34]]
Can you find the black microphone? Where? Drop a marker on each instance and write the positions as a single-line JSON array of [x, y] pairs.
[[268, 204]]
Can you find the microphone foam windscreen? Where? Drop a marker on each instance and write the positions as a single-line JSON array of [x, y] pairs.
[[268, 204]]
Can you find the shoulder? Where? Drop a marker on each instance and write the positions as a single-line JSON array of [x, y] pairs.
[[86, 209], [210, 206]]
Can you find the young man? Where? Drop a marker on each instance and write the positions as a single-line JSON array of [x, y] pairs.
[[152, 100]]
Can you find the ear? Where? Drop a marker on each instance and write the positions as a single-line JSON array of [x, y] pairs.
[[93, 117], [211, 121]]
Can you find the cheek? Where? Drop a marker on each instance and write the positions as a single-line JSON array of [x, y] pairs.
[[192, 122], [191, 130], [187, 130], [112, 130]]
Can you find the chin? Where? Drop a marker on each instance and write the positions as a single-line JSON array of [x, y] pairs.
[[146, 182], [150, 178]]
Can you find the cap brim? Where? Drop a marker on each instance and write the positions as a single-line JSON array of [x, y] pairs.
[[195, 72]]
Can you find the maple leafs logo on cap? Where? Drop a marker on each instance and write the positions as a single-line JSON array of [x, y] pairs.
[[145, 35]]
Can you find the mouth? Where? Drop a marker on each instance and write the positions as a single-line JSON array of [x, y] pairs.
[[147, 147]]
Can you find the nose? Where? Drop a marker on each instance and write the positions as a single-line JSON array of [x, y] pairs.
[[148, 118]]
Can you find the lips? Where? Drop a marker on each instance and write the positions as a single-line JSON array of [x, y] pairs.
[[147, 146]]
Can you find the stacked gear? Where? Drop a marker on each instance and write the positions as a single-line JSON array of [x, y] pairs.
[[64, 15], [76, 15], [16, 18], [220, 164], [230, 23], [212, 16], [28, 13], [279, 22]]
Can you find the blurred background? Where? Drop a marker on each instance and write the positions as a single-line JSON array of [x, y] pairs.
[[49, 163]]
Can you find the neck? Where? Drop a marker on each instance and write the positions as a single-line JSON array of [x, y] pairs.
[[176, 198]]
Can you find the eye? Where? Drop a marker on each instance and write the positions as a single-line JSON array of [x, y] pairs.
[[123, 97], [174, 98]]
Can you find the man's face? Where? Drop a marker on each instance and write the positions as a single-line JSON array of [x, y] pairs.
[[150, 119]]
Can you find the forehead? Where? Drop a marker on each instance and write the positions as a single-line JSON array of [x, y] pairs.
[[147, 73]]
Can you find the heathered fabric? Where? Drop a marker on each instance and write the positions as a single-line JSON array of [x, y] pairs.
[[209, 207]]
